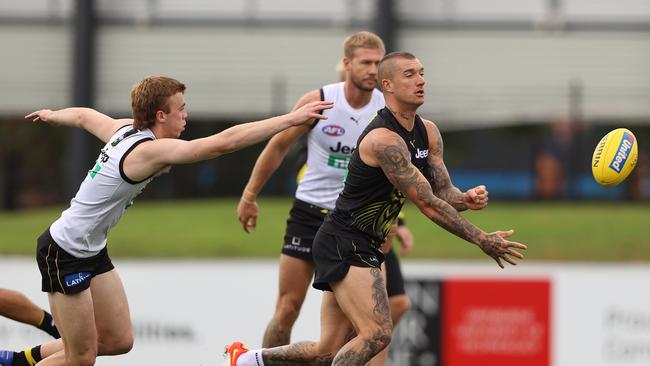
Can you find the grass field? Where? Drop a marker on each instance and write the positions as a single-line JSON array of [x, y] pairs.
[[209, 228]]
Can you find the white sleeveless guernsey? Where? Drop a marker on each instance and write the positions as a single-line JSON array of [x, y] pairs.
[[330, 144], [102, 197]]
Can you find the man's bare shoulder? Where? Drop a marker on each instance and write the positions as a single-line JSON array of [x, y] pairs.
[[382, 135], [312, 96], [124, 121], [430, 126], [153, 150], [435, 138]]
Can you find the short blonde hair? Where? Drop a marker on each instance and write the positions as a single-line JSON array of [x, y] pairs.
[[150, 95], [362, 39]]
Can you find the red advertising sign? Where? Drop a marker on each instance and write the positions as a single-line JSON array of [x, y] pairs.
[[495, 323]]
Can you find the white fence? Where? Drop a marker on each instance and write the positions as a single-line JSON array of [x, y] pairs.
[[185, 311]]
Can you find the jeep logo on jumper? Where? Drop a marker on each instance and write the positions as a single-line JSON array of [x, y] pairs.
[[622, 153], [333, 130], [343, 149], [420, 154], [74, 279]]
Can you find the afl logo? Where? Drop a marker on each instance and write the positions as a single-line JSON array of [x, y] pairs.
[[333, 130]]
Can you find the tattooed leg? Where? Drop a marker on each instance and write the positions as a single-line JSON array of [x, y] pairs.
[[335, 327], [362, 296], [275, 336], [300, 353]]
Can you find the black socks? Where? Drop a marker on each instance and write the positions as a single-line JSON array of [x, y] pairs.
[[28, 357], [47, 325]]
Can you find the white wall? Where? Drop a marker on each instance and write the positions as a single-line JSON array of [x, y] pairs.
[[514, 76], [489, 78], [35, 68], [229, 72], [337, 10]]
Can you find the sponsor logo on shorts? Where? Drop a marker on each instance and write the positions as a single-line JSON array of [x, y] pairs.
[[295, 248], [622, 152], [333, 130], [75, 279], [295, 240]]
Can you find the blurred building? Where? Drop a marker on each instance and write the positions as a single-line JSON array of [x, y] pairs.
[[506, 68]]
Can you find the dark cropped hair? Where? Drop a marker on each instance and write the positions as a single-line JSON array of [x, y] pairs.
[[385, 70]]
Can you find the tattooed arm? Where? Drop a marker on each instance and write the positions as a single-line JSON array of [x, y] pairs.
[[438, 177], [385, 149]]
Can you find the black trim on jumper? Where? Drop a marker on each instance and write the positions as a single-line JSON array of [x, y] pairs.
[[122, 174]]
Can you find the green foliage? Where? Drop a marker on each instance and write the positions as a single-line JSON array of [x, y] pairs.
[[209, 228]]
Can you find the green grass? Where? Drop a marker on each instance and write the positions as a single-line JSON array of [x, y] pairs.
[[209, 228]]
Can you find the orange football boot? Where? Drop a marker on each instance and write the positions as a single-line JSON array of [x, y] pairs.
[[232, 353]]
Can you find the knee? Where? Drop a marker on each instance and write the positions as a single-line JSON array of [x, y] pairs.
[[383, 337], [377, 338], [125, 345], [82, 359], [116, 345]]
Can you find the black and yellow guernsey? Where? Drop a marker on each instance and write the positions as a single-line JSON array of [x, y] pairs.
[[369, 203]]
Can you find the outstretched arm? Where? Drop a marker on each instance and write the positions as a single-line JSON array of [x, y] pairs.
[[387, 150], [267, 163], [438, 176], [99, 124], [150, 157]]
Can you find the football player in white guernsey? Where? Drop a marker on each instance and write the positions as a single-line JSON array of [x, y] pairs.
[[85, 292], [330, 144]]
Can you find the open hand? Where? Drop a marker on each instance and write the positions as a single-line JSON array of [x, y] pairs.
[[42, 115], [496, 246], [310, 111]]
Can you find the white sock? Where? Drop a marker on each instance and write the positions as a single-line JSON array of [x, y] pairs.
[[251, 358]]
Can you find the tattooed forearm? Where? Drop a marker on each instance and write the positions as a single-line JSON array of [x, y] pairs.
[[454, 197], [394, 160], [449, 218], [438, 177]]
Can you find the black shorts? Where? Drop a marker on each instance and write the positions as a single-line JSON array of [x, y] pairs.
[[302, 225], [333, 256], [394, 277], [64, 273]]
